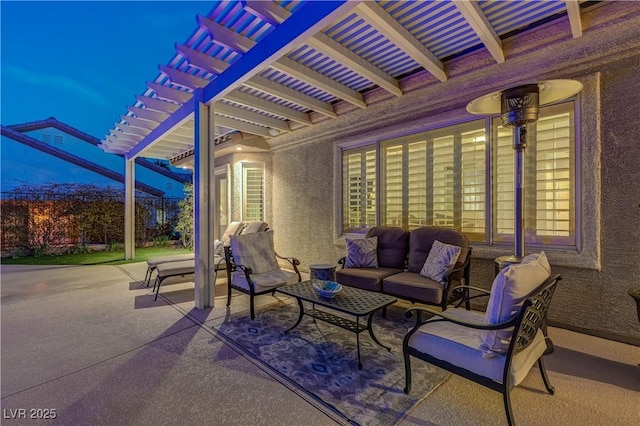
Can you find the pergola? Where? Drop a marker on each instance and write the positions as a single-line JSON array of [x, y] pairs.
[[269, 68]]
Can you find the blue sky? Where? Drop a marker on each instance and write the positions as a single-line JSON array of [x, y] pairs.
[[83, 62]]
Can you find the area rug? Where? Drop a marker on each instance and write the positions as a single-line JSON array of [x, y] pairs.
[[320, 361]]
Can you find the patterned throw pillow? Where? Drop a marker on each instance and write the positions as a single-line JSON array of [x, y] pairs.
[[362, 253], [441, 259]]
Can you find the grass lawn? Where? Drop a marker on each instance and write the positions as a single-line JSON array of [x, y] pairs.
[[115, 257]]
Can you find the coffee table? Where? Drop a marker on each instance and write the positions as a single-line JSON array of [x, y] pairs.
[[351, 301]]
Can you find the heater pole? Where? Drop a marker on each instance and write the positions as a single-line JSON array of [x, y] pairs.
[[519, 146]]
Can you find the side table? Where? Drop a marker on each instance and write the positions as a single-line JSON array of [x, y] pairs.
[[322, 271]]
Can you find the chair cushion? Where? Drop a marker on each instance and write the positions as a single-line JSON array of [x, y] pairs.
[[441, 259], [509, 290], [411, 286], [264, 281], [255, 251], [362, 253], [364, 278], [393, 246], [253, 227], [458, 345], [233, 228], [421, 240]]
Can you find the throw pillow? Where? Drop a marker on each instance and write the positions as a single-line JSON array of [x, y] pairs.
[[362, 253], [508, 292], [441, 259]]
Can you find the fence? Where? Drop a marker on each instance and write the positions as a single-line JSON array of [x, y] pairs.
[[36, 221]]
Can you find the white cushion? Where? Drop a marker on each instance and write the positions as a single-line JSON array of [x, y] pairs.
[[252, 227], [458, 345], [508, 292], [362, 253], [441, 259], [155, 261], [255, 251], [264, 281], [233, 228]]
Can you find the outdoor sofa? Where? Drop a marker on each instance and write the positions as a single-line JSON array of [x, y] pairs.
[[399, 269]]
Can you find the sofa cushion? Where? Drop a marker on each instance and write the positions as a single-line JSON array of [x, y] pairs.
[[421, 240], [364, 278], [362, 253], [411, 286], [509, 290], [393, 246], [255, 251], [441, 259]]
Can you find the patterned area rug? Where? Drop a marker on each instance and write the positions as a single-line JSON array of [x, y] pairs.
[[320, 361]]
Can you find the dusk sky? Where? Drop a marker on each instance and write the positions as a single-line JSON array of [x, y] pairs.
[[83, 62]]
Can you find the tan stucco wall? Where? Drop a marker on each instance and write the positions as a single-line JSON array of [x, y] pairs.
[[593, 295]]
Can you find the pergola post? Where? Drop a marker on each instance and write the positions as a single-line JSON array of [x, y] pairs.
[[129, 209], [204, 209]]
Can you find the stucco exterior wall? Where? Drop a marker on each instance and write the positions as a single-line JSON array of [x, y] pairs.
[[593, 295]]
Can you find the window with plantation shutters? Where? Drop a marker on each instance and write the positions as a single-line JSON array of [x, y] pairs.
[[448, 177], [359, 189], [549, 179], [423, 181], [252, 193]]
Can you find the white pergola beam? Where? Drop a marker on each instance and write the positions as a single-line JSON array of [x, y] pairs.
[[318, 80], [573, 12], [157, 104], [126, 129], [182, 78], [125, 137], [398, 35], [474, 16], [338, 52], [224, 36], [169, 93], [173, 137], [147, 114], [267, 106], [200, 60], [250, 116], [243, 126], [277, 89], [267, 11], [138, 122]]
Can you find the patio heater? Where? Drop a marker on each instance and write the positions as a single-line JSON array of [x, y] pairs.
[[518, 107]]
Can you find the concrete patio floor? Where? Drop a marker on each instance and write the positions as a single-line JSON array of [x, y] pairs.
[[91, 343]]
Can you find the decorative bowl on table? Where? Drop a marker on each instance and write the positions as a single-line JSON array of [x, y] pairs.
[[327, 289]]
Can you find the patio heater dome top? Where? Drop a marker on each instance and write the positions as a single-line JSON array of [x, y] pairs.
[[549, 91]]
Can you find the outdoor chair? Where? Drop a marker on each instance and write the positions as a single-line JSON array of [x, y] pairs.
[[496, 349], [152, 264], [252, 266]]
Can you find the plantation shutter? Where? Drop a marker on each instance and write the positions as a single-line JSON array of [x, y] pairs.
[[549, 208], [417, 184], [392, 187], [359, 189], [554, 188], [442, 181], [473, 170], [253, 194]]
